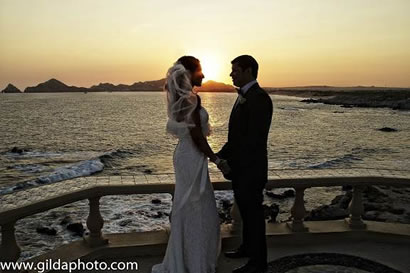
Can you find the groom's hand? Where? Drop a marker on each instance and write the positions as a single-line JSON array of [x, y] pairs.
[[224, 167]]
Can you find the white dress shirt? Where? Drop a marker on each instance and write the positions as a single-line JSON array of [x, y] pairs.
[[245, 89]]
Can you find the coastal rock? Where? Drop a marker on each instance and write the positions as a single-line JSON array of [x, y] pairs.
[[342, 201], [374, 194], [213, 86], [379, 203], [117, 216], [387, 129], [156, 201], [159, 214], [402, 105], [53, 85], [347, 187], [225, 211], [226, 204], [327, 212], [129, 212], [271, 212], [10, 89], [348, 97], [397, 100], [46, 230], [274, 195], [156, 85], [17, 150], [289, 193], [370, 206], [285, 194], [66, 220], [397, 211], [76, 228], [125, 222]]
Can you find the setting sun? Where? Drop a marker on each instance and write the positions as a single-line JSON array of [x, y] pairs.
[[211, 68], [213, 65]]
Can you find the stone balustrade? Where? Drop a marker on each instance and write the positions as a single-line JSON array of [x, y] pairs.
[[24, 203]]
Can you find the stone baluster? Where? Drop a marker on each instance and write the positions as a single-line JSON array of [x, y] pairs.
[[356, 209], [94, 224], [298, 211], [236, 227], [9, 248]]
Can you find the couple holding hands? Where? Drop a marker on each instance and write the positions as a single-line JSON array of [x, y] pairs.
[[194, 243]]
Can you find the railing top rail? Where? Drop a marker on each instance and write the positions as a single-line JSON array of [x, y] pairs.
[[24, 203]]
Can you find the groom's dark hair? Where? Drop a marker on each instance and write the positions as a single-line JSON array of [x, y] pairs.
[[189, 62], [246, 61]]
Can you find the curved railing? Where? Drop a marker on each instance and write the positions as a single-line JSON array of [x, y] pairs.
[[24, 203]]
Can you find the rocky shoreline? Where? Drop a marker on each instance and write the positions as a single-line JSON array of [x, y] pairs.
[[53, 85], [381, 203], [382, 99]]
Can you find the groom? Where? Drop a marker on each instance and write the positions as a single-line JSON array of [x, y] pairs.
[[246, 160]]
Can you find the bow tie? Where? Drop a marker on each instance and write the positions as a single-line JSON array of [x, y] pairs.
[[239, 90]]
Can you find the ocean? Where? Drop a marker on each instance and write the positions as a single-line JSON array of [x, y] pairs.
[[65, 135], [50, 137]]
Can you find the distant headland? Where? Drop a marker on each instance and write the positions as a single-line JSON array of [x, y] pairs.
[[356, 96], [56, 86], [352, 96]]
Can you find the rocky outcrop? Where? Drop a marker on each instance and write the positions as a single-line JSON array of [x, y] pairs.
[[394, 99], [53, 85], [283, 195], [387, 129], [148, 85], [76, 228], [10, 89], [381, 203], [46, 230], [270, 211], [338, 209], [18, 150], [137, 86], [213, 86]]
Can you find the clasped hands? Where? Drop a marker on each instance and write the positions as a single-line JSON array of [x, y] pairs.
[[222, 165]]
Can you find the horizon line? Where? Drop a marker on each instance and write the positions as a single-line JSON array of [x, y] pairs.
[[263, 86]]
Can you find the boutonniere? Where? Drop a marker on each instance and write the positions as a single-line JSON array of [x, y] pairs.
[[242, 100]]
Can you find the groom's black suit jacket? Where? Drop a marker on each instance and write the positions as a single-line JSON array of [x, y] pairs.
[[246, 148]]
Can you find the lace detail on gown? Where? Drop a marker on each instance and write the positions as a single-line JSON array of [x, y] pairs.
[[194, 243]]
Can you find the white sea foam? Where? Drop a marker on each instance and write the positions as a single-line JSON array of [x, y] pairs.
[[65, 172]]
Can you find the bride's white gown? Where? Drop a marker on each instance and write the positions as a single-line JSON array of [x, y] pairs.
[[194, 243]]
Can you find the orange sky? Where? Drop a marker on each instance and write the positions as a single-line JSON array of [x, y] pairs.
[[296, 42]]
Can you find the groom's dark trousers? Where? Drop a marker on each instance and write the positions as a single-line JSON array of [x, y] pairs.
[[246, 153]]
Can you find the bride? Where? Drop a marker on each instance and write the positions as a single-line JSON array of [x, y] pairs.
[[194, 243]]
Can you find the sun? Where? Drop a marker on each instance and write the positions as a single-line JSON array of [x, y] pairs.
[[211, 67], [212, 63]]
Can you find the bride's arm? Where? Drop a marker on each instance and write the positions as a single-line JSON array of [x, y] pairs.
[[199, 139]]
